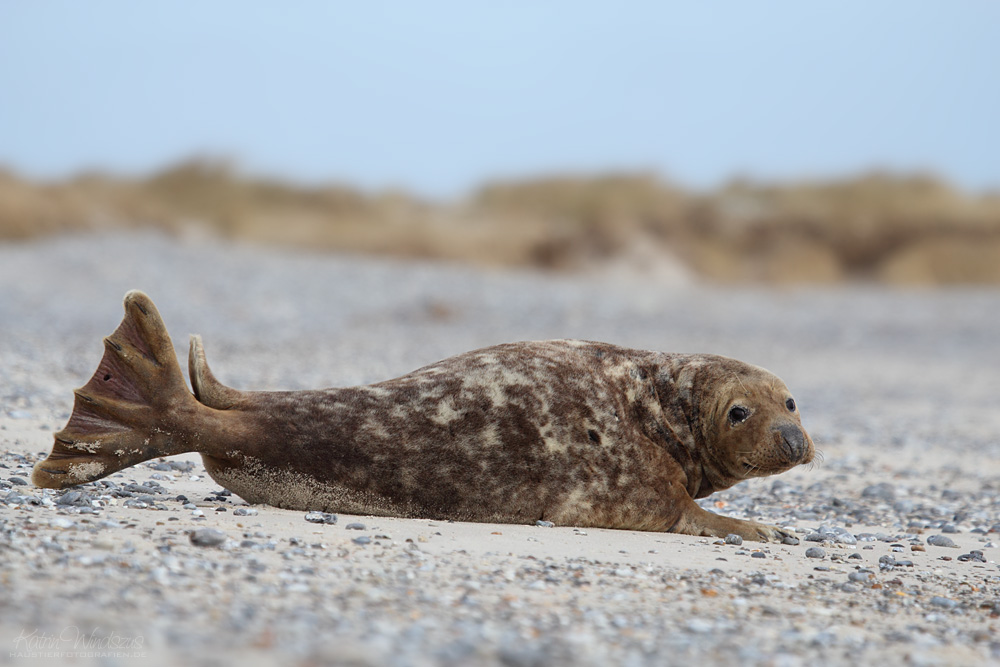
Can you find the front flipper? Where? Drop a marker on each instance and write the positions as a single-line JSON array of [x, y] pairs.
[[697, 521]]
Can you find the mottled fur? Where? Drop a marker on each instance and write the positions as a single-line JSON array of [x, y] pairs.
[[578, 433]]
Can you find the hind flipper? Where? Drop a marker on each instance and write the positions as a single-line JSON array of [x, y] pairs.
[[122, 415]]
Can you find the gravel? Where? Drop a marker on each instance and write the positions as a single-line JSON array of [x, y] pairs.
[[896, 389]]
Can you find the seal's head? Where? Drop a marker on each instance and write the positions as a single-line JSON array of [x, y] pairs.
[[751, 425]]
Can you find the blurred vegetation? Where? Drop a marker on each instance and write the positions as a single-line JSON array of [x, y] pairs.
[[876, 227]]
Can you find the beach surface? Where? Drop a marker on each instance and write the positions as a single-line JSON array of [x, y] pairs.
[[899, 525]]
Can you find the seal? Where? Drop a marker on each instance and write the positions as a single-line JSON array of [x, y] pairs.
[[573, 432]]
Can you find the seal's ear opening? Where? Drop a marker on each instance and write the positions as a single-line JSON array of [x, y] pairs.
[[208, 390]]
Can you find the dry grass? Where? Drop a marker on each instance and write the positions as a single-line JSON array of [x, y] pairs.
[[912, 230]]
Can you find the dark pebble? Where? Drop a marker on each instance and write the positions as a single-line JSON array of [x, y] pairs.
[[545, 524], [758, 554], [790, 540], [941, 541], [207, 537], [815, 552], [355, 526], [881, 491], [74, 499], [364, 539], [17, 481], [976, 556]]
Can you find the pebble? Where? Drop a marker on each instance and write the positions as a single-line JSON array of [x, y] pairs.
[[207, 537], [947, 603], [245, 511], [364, 539], [974, 555], [941, 541], [758, 554], [321, 517], [815, 552], [733, 538], [881, 491], [355, 526], [545, 524], [17, 481], [834, 534]]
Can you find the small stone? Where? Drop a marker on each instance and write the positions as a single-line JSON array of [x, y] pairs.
[[886, 563], [848, 587], [364, 539], [861, 577], [733, 538], [758, 554], [941, 541], [881, 491], [245, 511], [545, 524], [321, 517], [355, 526], [790, 540], [17, 481], [918, 547], [974, 555], [855, 556], [207, 537], [946, 603], [815, 552]]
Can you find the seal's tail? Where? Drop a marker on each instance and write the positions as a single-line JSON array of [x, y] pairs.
[[133, 409]]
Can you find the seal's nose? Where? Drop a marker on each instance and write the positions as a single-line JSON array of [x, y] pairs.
[[793, 441]]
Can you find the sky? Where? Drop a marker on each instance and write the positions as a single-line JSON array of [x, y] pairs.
[[439, 97]]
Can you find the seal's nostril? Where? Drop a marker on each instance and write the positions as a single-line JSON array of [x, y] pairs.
[[793, 441]]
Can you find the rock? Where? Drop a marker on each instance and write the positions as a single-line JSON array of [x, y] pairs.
[[881, 491], [321, 517], [355, 526], [815, 552], [946, 603], [732, 538], [245, 511], [545, 524], [941, 541], [207, 537]]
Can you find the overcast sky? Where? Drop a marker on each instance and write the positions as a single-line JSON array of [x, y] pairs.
[[437, 97]]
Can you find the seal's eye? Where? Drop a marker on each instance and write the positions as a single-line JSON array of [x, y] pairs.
[[738, 414], [790, 404]]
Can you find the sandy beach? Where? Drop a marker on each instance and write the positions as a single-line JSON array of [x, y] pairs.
[[899, 525]]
